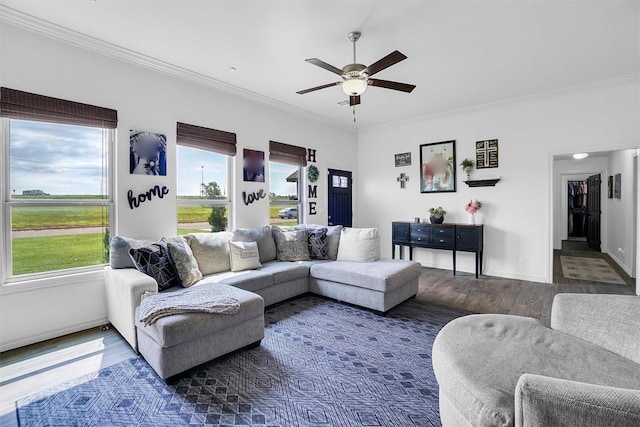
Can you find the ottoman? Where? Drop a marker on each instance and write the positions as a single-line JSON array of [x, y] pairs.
[[379, 285], [179, 342]]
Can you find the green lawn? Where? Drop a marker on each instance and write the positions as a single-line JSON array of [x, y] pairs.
[[38, 254]]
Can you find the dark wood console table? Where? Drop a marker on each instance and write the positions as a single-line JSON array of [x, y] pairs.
[[449, 237]]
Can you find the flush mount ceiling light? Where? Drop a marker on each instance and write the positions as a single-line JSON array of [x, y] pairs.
[[580, 156]]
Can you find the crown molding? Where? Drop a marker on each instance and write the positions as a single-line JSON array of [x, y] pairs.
[[624, 80], [54, 31]]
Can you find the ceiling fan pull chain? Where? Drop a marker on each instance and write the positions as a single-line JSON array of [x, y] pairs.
[[354, 114]]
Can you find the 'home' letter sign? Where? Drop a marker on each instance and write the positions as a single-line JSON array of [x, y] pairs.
[[313, 188]]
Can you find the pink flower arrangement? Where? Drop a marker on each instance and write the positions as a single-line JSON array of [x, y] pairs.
[[473, 206]]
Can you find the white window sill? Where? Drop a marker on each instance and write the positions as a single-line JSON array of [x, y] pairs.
[[32, 284]]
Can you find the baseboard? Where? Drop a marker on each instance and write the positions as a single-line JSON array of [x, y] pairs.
[[492, 273], [620, 263], [52, 334]]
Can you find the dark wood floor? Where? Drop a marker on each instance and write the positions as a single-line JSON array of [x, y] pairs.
[[30, 369], [507, 296]]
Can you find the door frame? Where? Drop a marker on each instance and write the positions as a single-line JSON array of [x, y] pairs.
[[635, 145]]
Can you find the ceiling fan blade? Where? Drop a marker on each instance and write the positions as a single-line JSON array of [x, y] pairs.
[[386, 62], [322, 64], [403, 87], [313, 89], [354, 100]]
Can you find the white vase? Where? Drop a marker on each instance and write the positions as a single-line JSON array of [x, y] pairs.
[[472, 219]]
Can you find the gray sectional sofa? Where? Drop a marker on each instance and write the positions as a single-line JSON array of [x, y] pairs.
[[379, 285]]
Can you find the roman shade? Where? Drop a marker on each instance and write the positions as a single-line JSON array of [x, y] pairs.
[[16, 104], [285, 153], [208, 139]]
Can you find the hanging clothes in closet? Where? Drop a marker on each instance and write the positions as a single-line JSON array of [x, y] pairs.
[[577, 192]]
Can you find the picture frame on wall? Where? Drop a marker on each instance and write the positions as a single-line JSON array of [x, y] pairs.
[[402, 159], [253, 165], [617, 186], [438, 167], [147, 153], [610, 187]]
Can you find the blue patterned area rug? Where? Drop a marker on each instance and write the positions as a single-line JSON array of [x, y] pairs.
[[321, 363]]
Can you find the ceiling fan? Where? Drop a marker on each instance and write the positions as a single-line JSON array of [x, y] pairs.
[[357, 77]]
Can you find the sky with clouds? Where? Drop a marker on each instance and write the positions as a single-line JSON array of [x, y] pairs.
[[67, 160]]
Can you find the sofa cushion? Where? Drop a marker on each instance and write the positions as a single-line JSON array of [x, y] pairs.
[[211, 251], [154, 261], [333, 238], [286, 271], [260, 235], [244, 256], [119, 251], [478, 360], [384, 275], [291, 245], [179, 328], [184, 261], [317, 239], [359, 245], [249, 280]]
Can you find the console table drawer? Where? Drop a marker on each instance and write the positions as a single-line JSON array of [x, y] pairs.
[[438, 233], [419, 229], [444, 242]]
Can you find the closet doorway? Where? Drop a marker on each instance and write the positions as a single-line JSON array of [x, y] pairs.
[[584, 213]]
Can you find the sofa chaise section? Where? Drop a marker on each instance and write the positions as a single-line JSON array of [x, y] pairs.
[[179, 342], [379, 285]]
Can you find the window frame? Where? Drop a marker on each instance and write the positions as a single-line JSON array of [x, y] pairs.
[[301, 196], [209, 202], [6, 240]]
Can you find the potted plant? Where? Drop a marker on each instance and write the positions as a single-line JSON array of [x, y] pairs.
[[437, 215], [467, 166]]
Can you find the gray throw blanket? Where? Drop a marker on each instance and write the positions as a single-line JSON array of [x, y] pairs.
[[208, 299]]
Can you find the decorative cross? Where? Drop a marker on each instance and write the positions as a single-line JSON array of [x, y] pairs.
[[487, 154], [402, 179]]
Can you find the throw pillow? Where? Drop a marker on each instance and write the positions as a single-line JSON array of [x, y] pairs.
[[359, 244], [182, 256], [119, 251], [211, 251], [333, 238], [260, 235], [318, 243], [244, 256], [292, 245], [154, 261]]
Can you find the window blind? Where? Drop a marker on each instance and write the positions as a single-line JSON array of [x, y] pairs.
[[208, 139], [16, 104], [285, 153]]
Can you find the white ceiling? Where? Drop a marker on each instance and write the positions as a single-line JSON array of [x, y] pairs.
[[461, 53]]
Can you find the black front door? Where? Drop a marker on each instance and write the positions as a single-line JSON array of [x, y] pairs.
[[340, 212], [593, 211]]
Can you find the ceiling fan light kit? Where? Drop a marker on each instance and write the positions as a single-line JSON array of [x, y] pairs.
[[356, 77]]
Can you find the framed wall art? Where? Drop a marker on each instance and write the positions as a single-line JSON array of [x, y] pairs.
[[253, 165], [402, 159], [487, 154], [147, 153], [617, 186], [438, 167]]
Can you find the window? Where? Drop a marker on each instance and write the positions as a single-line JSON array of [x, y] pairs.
[[285, 183], [203, 178], [57, 191]]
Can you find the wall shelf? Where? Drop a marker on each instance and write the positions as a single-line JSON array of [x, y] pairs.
[[482, 182]]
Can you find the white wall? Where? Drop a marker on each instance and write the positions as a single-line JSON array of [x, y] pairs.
[[572, 170], [620, 224], [152, 101], [517, 211]]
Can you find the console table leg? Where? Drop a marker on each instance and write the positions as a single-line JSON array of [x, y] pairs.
[[393, 251], [477, 263], [454, 262]]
